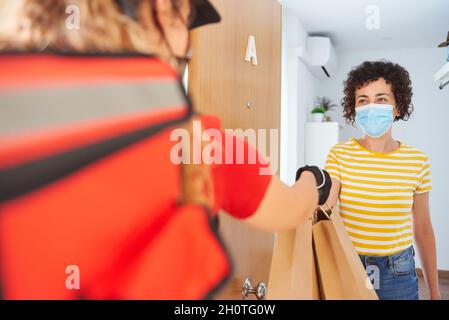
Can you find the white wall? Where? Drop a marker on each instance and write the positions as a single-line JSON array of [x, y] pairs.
[[427, 129], [298, 94]]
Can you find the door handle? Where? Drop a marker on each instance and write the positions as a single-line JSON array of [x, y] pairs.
[[260, 291]]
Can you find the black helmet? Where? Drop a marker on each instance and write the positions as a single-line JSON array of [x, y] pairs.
[[205, 13]]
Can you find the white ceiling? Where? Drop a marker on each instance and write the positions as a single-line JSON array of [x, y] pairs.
[[403, 23]]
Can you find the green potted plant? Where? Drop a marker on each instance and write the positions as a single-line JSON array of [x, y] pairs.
[[317, 114], [323, 105]]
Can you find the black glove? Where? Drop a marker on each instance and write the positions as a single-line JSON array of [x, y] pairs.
[[323, 181]]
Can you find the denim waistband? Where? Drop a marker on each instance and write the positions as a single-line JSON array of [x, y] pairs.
[[379, 259]]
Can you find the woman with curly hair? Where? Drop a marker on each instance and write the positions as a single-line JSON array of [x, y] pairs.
[[382, 185]]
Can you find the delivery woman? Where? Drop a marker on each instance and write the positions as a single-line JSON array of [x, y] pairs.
[[382, 185], [90, 95]]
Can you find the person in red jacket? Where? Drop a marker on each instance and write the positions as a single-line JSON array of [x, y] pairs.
[[87, 186]]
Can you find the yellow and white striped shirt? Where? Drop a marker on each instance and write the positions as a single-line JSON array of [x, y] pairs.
[[376, 194]]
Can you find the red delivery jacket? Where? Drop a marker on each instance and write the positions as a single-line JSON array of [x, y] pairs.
[[86, 183]]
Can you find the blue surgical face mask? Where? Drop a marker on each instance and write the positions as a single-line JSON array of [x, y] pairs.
[[375, 119]]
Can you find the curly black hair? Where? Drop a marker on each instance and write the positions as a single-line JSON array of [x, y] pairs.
[[370, 71]]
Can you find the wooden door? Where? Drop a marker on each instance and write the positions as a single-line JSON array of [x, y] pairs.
[[244, 96]]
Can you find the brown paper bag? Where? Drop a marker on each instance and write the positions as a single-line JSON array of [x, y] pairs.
[[340, 272], [293, 273]]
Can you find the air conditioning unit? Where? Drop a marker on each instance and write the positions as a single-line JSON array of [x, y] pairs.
[[442, 76], [320, 57]]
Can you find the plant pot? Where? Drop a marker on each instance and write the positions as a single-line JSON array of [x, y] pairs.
[[317, 117]]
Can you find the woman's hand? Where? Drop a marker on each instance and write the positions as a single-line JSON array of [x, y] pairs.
[[425, 241], [333, 194], [435, 295]]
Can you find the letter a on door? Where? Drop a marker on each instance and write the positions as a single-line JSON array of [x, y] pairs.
[[251, 52]]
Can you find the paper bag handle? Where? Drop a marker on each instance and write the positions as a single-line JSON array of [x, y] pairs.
[[324, 211]]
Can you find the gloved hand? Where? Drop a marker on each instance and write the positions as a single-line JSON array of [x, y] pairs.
[[323, 182]]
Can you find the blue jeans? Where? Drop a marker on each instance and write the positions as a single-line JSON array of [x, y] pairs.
[[394, 277]]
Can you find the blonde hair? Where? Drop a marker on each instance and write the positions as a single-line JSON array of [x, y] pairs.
[[43, 24]]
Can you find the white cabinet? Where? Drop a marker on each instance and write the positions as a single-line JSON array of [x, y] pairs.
[[319, 138]]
